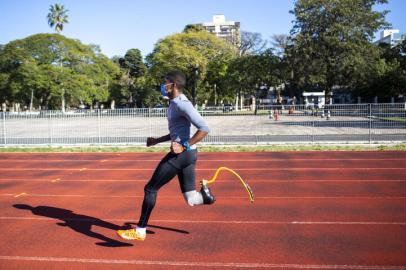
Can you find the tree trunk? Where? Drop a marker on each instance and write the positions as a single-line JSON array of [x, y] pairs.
[[45, 102], [31, 100], [236, 102], [241, 101], [254, 104], [215, 95], [329, 95], [63, 103]]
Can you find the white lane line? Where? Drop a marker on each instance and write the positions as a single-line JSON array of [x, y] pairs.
[[223, 197], [203, 264], [259, 222], [222, 181], [205, 169], [207, 160], [124, 153]]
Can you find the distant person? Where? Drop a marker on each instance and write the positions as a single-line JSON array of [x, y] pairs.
[[181, 160], [292, 107], [279, 104]]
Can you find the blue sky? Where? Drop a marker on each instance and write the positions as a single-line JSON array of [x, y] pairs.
[[118, 25]]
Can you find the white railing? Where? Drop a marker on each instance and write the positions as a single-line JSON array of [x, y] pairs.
[[362, 123]]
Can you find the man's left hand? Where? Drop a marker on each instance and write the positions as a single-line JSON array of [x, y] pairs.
[[177, 148]]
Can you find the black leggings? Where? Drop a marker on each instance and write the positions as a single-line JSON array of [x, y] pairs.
[[171, 165]]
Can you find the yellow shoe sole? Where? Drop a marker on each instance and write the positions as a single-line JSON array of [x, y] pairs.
[[130, 235]]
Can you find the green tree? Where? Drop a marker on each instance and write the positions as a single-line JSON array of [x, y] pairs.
[[190, 28], [216, 88], [184, 51], [135, 87], [132, 78], [133, 62], [57, 17], [48, 66], [332, 42], [246, 74], [389, 74]]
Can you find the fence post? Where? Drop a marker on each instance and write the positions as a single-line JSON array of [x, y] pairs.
[[4, 128], [99, 126], [370, 123], [313, 131], [255, 129], [50, 128], [150, 122]]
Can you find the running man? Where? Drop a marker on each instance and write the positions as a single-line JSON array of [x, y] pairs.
[[181, 160]]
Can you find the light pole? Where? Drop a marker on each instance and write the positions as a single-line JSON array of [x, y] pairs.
[[194, 92]]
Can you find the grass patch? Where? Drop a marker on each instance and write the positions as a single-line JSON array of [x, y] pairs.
[[260, 148], [395, 119]]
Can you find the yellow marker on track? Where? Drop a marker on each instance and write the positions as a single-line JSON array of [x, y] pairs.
[[246, 186], [21, 194]]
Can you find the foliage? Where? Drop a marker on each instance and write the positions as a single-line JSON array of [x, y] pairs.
[[190, 28], [330, 46], [135, 87], [184, 51], [332, 42], [52, 65], [133, 62], [389, 74], [247, 73]]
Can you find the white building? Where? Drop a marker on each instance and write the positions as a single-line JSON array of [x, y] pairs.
[[227, 30], [314, 99], [391, 36]]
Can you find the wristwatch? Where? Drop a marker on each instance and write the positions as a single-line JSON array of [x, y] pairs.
[[186, 145]]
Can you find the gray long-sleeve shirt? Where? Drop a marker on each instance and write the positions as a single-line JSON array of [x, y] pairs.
[[181, 115]]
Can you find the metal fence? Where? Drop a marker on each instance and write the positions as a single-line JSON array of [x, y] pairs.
[[361, 123]]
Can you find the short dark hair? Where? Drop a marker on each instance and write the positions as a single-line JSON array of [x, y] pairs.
[[177, 77]]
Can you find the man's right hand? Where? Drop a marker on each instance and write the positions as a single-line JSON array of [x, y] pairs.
[[151, 141]]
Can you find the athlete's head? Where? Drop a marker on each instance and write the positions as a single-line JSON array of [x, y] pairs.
[[175, 81]]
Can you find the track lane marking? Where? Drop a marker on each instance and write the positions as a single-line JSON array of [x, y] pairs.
[[203, 264], [207, 160], [223, 181], [259, 222], [224, 197], [20, 194], [206, 169]]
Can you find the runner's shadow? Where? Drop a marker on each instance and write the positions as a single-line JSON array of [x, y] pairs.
[[79, 223]]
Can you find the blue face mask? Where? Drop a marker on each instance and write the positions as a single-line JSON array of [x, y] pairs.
[[162, 87], [163, 90]]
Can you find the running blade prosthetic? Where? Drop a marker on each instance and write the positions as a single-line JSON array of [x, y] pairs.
[[208, 197]]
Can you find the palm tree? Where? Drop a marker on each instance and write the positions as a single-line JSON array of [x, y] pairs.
[[57, 17]]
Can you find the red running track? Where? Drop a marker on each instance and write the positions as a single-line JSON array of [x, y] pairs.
[[313, 210]]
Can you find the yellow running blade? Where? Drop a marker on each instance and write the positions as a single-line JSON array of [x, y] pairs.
[[246, 186]]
